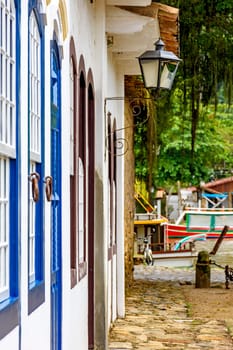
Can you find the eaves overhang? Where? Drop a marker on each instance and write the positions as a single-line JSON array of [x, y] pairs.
[[133, 29]]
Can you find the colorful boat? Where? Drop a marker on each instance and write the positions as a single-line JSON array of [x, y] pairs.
[[150, 231], [173, 244], [192, 238], [210, 222]]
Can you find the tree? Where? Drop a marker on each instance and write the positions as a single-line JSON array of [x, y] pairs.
[[191, 133]]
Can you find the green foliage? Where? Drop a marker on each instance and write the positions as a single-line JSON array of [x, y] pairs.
[[194, 123], [140, 145], [213, 148]]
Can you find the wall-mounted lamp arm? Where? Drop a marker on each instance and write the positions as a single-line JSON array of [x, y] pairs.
[[135, 105]]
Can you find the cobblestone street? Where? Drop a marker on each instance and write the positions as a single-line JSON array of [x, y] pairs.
[[158, 315]]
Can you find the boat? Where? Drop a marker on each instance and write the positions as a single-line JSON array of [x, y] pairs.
[[192, 238], [149, 230], [179, 258], [199, 220], [150, 233]]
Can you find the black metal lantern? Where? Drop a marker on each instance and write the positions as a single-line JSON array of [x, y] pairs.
[[158, 67]]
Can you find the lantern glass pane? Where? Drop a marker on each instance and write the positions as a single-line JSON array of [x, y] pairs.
[[168, 75], [150, 70]]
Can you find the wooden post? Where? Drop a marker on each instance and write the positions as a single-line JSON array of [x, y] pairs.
[[219, 240], [229, 200], [203, 270]]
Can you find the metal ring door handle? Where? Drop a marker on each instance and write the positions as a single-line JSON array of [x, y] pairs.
[[48, 187], [34, 178]]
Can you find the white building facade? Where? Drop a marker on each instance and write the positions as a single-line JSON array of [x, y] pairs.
[[61, 181]]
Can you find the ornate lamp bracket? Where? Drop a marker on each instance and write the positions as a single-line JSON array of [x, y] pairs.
[[140, 108]]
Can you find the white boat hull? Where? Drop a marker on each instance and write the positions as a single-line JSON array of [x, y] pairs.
[[175, 259]]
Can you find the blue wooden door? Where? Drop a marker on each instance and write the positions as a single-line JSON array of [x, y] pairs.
[[56, 298]]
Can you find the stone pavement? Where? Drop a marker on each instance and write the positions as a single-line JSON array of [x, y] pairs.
[[157, 317]]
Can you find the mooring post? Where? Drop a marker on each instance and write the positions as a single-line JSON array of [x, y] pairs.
[[203, 270], [219, 240]]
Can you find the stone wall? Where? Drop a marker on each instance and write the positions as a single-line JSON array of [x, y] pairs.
[[133, 88], [129, 199]]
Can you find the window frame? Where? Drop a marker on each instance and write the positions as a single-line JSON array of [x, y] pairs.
[[81, 211], [112, 188], [73, 166], [82, 138], [4, 227], [9, 306], [36, 283], [110, 150], [7, 93]]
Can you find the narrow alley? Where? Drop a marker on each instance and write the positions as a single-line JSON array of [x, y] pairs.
[[159, 315]]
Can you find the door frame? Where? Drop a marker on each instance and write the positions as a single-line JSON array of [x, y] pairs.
[[56, 300], [91, 209]]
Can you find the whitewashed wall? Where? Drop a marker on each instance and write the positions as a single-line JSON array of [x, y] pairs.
[[86, 23]]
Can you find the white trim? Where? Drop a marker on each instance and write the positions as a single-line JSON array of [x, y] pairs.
[[7, 151], [35, 89], [35, 157], [7, 81], [32, 232]]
